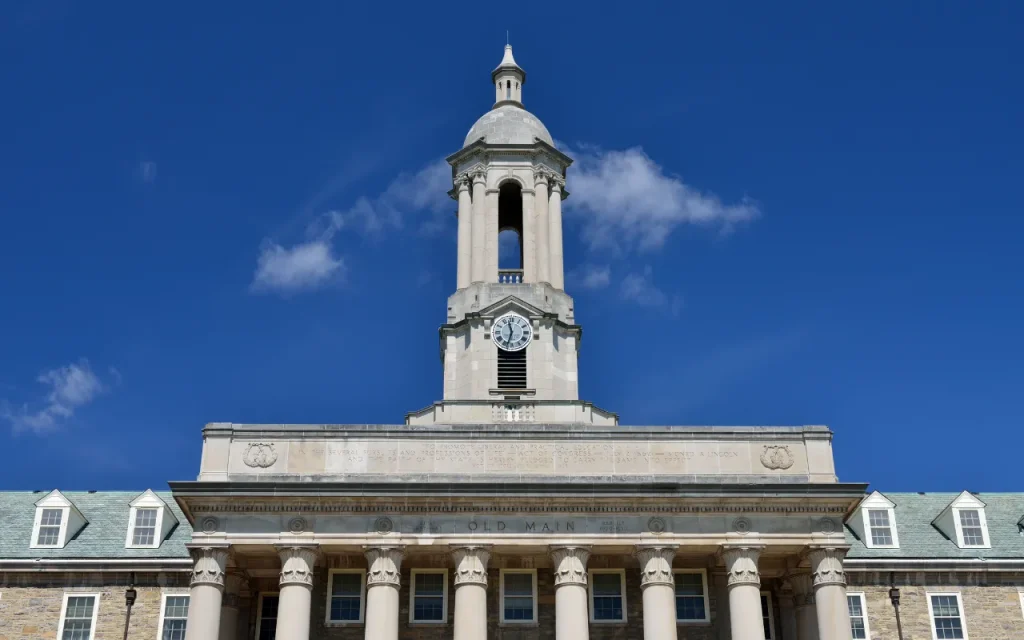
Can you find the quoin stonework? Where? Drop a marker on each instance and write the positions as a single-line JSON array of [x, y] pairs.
[[511, 508]]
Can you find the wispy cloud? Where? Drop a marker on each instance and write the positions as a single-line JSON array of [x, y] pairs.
[[590, 276], [640, 289], [303, 267], [71, 387], [146, 171], [424, 191], [632, 203]]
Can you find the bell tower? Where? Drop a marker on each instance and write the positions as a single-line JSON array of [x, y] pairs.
[[510, 343]]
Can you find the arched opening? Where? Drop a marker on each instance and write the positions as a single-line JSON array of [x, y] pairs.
[[508, 89], [510, 233]]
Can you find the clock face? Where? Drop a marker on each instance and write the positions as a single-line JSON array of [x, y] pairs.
[[512, 332]]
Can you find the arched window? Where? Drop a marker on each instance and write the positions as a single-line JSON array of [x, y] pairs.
[[510, 233], [508, 89]]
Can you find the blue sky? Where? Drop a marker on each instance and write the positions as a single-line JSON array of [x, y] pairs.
[[780, 214]]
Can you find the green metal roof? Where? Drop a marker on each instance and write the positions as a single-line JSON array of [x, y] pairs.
[[103, 537], [919, 538]]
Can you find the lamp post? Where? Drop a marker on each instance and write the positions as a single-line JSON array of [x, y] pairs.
[[129, 599], [894, 597]]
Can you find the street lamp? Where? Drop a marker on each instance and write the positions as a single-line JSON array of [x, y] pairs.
[[894, 597], [129, 599]]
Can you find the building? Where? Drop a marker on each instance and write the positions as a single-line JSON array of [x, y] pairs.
[[511, 508]]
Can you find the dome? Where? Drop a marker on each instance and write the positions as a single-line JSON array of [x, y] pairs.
[[508, 124]]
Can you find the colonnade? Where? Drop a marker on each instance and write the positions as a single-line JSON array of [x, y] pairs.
[[821, 611], [542, 229]]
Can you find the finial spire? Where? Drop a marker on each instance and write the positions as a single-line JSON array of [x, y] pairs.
[[508, 79]]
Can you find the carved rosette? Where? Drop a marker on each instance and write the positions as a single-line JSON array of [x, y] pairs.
[[470, 565], [803, 589], [297, 565], [741, 565], [570, 565], [656, 565], [827, 566], [208, 566], [384, 566]]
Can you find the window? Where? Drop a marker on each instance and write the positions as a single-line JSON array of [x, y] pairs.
[[429, 596], [346, 590], [692, 596], [767, 615], [78, 618], [266, 617], [508, 89], [144, 530], [49, 528], [518, 596], [972, 530], [173, 617], [858, 616], [512, 369], [881, 527], [608, 595], [946, 610]]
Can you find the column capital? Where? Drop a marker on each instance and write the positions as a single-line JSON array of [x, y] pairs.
[[478, 175], [827, 565], [209, 563], [557, 182], [741, 564], [656, 564], [462, 181], [570, 565], [541, 177], [384, 566], [297, 563], [471, 565]]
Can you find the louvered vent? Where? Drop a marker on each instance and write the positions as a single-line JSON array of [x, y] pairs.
[[511, 369]]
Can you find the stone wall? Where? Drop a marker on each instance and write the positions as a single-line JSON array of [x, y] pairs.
[[30, 604], [991, 603]]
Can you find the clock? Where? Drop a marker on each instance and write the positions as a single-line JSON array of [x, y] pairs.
[[512, 332]]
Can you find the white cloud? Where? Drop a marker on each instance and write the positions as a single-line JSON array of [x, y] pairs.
[[423, 191], [146, 171], [303, 267], [640, 288], [630, 202], [71, 387], [590, 276]]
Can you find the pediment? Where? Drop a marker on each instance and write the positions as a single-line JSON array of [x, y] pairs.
[[512, 303]]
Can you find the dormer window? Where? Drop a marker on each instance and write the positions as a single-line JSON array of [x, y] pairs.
[[49, 528], [874, 522], [149, 522], [963, 522], [57, 521]]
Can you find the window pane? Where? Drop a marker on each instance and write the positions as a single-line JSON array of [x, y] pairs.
[[145, 517], [607, 584], [946, 612], [881, 536], [268, 618], [51, 517], [766, 617], [518, 608], [174, 629], [48, 536], [519, 584], [973, 536], [78, 618], [176, 607], [347, 584], [428, 603], [857, 628], [429, 584], [77, 629], [80, 607], [345, 608], [970, 518], [143, 536], [878, 517], [690, 603], [346, 596], [607, 596]]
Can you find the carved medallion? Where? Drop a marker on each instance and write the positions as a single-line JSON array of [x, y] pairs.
[[741, 525], [210, 525], [383, 524], [297, 525], [259, 454], [827, 525], [777, 457], [656, 525]]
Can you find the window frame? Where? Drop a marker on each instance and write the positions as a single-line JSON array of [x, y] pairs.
[[704, 582], [864, 610], [501, 596], [328, 621], [163, 609], [412, 597], [157, 528], [986, 541], [95, 595], [869, 538], [259, 609], [1021, 594], [771, 613], [960, 608], [622, 584], [65, 515]]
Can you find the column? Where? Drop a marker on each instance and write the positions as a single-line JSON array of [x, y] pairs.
[[470, 592], [540, 202], [659, 592], [208, 568], [830, 593], [478, 225], [803, 599], [233, 582], [529, 238], [555, 233], [296, 588], [572, 620], [491, 232], [465, 263], [744, 592], [786, 611], [383, 579]]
